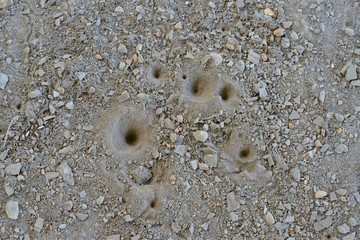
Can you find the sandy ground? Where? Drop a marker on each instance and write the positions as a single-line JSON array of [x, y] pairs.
[[166, 119]]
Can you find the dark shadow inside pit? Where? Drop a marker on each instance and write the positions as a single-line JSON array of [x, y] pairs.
[[247, 154], [184, 77], [244, 153], [155, 203], [157, 72], [132, 137], [197, 87], [226, 92]]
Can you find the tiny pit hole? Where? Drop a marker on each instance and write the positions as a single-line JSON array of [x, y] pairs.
[[245, 153], [132, 137]]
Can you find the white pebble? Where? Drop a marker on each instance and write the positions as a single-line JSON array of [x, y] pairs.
[[201, 136], [13, 169], [4, 79], [70, 105], [12, 209]]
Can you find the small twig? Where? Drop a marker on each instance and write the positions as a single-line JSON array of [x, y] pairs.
[[13, 120]]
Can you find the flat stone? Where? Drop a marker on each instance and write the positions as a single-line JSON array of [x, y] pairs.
[[168, 123], [341, 191], [142, 175], [279, 32], [211, 160], [269, 218], [100, 200], [122, 48], [217, 58], [344, 228], [70, 105], [294, 115], [12, 209], [13, 169], [200, 136], [296, 173], [82, 216], [351, 236], [323, 224], [9, 190], [333, 196], [233, 216], [113, 237], [232, 203], [194, 164], [4, 79], [355, 83], [349, 31], [66, 173], [320, 122], [351, 73], [180, 149], [34, 94], [39, 224], [341, 148], [51, 175], [253, 57], [320, 194]]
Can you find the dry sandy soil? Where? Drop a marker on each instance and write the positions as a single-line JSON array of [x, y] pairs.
[[174, 119]]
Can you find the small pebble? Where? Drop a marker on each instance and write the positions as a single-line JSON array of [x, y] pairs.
[[13, 169], [4, 79], [39, 224], [34, 94], [70, 105], [178, 26], [279, 32], [341, 148], [201, 136], [320, 194], [12, 209], [344, 228]]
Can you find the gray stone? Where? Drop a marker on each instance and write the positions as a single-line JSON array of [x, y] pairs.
[[323, 224], [194, 164], [13, 169], [341, 148], [168, 123], [351, 73], [341, 191], [211, 160], [285, 42], [344, 228], [113, 237], [253, 57], [349, 31], [351, 236], [296, 173], [122, 48], [70, 105], [34, 94], [180, 149], [12, 209], [294, 115], [355, 83], [232, 203], [81, 216], [66, 173], [142, 175], [4, 79], [201, 136], [217, 58], [319, 121], [333, 196], [39, 224]]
